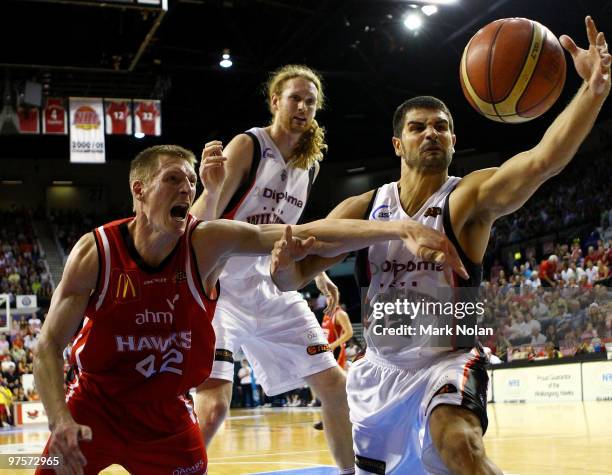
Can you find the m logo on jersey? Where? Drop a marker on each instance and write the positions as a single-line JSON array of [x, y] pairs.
[[382, 212], [126, 287], [433, 211]]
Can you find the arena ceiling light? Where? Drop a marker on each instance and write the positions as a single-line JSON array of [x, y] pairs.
[[429, 9], [413, 21], [226, 60]]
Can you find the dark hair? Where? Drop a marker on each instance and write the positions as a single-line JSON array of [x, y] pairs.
[[419, 102]]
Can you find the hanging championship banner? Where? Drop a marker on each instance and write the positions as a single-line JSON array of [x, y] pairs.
[[29, 120], [54, 117], [147, 117], [118, 116], [86, 130]]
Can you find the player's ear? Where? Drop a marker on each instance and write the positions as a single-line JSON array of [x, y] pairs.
[[274, 103], [397, 146], [138, 190], [454, 138]]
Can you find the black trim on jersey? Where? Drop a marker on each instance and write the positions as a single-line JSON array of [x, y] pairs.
[[246, 186], [224, 355], [361, 260], [311, 178], [474, 270], [474, 394], [377, 467], [140, 262], [197, 270]]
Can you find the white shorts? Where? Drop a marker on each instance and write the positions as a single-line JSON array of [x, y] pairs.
[[277, 331], [390, 409]]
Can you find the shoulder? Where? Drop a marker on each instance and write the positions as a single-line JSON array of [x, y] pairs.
[[81, 270], [354, 207]]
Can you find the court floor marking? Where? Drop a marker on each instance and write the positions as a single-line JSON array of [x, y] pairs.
[[267, 454]]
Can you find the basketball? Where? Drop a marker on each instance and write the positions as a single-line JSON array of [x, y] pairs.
[[512, 70]]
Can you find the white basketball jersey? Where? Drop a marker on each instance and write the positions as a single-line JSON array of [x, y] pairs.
[[390, 267], [274, 193]]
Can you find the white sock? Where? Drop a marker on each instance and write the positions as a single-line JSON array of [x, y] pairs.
[[346, 471]]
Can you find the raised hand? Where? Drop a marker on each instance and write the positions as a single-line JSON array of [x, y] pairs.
[[330, 290], [592, 64], [212, 166]]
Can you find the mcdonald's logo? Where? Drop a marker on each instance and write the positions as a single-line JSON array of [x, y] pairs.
[[125, 288]]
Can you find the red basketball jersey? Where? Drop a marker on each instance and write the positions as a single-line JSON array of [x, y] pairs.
[[54, 117], [148, 115], [332, 331], [118, 118], [147, 334]]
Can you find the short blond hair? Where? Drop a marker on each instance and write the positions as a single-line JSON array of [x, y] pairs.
[[146, 163], [312, 144]]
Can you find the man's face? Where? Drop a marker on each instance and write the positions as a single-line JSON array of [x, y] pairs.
[[168, 195], [295, 108], [427, 143]]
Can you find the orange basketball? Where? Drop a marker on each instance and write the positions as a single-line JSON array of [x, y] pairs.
[[512, 70]]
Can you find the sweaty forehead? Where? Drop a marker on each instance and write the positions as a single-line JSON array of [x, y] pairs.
[[425, 116], [301, 86], [176, 164]]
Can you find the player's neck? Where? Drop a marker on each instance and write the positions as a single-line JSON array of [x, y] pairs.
[[284, 140], [415, 188], [152, 245]]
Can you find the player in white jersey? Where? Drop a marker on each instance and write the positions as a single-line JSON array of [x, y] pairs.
[[416, 407], [269, 172]]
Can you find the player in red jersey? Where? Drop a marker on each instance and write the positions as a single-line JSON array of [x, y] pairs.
[[338, 330], [147, 287]]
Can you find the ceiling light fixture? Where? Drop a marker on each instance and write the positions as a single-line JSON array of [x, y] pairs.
[[413, 21], [226, 60], [429, 9]]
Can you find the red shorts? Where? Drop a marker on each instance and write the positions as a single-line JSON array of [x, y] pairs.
[[115, 442]]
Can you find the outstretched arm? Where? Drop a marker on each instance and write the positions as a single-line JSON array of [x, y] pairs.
[[501, 191], [215, 241], [424, 242], [65, 313]]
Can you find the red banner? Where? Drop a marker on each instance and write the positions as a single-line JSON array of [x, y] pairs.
[[29, 120], [118, 116], [147, 117], [55, 117]]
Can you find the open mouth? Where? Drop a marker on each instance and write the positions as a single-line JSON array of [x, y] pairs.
[[300, 120], [179, 212]]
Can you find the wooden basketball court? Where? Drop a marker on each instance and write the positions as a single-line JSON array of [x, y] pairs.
[[527, 439]]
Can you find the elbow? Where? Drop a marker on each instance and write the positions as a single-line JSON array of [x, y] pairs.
[[45, 348]]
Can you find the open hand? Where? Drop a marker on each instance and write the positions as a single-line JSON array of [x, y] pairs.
[[430, 245], [592, 64]]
